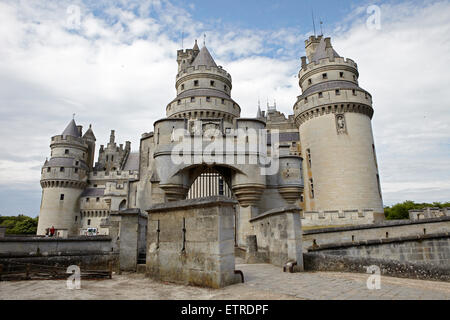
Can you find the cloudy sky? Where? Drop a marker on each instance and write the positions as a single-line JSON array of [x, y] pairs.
[[114, 66]]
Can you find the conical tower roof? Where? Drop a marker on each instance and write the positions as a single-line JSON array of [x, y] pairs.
[[71, 130], [89, 133], [321, 51], [204, 59]]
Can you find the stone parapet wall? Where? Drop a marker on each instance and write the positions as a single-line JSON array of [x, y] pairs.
[[429, 213], [433, 249], [192, 242], [340, 217], [319, 261], [90, 252], [386, 230], [278, 237]]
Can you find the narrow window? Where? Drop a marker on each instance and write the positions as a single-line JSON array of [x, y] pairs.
[[192, 99], [353, 238], [107, 158], [302, 199], [89, 222], [354, 77], [387, 235], [320, 94], [76, 170], [77, 163], [309, 81], [213, 84], [225, 88], [87, 200], [341, 74], [308, 154], [311, 185], [182, 87], [66, 151], [76, 218], [223, 101], [49, 169], [208, 99], [61, 197], [61, 169], [324, 76], [112, 158], [338, 92], [179, 102], [195, 83], [98, 199], [354, 92]]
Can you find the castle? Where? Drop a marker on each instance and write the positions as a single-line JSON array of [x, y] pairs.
[[324, 153]]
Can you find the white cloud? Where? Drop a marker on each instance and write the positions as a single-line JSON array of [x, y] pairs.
[[118, 72]]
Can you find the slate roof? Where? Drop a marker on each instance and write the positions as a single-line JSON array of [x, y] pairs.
[[204, 59], [330, 85], [71, 130], [93, 192], [132, 163], [203, 93], [321, 52], [64, 162]]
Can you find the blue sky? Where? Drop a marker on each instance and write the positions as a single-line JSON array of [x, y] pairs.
[[116, 70]]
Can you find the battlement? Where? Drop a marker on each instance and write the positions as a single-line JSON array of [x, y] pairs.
[[60, 139], [119, 175], [345, 62], [202, 69], [312, 39]]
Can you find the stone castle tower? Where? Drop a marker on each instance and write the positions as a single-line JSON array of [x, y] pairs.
[[334, 118], [64, 178], [324, 154]]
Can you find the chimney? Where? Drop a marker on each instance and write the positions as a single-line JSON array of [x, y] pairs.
[[112, 137], [303, 62]]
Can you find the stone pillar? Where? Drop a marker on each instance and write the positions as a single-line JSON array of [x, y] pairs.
[[124, 232], [244, 227]]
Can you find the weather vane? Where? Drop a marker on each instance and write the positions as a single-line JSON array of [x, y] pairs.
[[204, 39]]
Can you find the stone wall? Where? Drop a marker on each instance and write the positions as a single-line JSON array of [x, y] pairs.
[[385, 230], [278, 238], [318, 261], [90, 252], [429, 213], [433, 249], [2, 232], [127, 229], [192, 242], [341, 217]]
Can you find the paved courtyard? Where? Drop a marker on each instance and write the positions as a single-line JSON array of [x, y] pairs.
[[262, 282]]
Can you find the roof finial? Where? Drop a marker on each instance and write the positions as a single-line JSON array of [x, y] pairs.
[[204, 39], [73, 116], [321, 29]]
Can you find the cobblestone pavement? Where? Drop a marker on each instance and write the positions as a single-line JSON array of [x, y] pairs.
[[261, 282]]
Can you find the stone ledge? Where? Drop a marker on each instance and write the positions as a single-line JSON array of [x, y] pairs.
[[193, 203], [277, 211], [342, 245], [375, 226]]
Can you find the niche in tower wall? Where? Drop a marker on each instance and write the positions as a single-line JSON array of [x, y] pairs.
[[341, 124]]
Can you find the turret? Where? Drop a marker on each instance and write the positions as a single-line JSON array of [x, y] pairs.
[[63, 179], [90, 139], [203, 88], [334, 118]]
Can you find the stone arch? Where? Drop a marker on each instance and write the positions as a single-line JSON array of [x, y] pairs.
[[123, 205]]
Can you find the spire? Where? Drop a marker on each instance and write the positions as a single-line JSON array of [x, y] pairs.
[[71, 130], [204, 59], [196, 48], [259, 113], [89, 133]]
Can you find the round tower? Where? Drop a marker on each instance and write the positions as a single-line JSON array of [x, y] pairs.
[[63, 179], [334, 118], [203, 89]]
